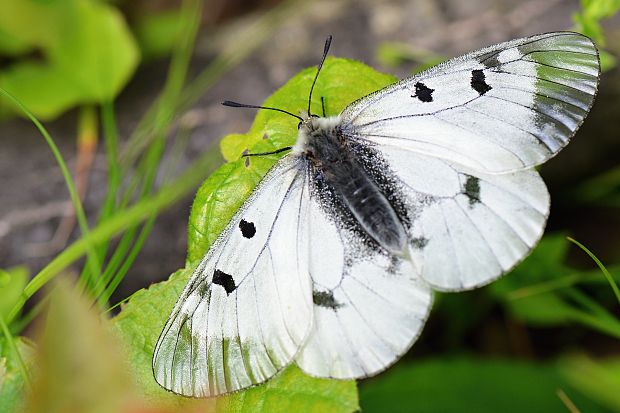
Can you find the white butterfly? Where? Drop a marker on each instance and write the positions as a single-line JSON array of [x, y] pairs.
[[426, 184]]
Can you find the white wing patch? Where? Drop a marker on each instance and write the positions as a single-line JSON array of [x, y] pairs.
[[369, 306], [247, 308], [468, 228], [504, 108]]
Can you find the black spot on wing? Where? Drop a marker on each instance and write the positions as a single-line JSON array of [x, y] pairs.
[[490, 60], [423, 92], [202, 290], [394, 265], [472, 190], [419, 242], [478, 82], [225, 280], [248, 230], [325, 299]]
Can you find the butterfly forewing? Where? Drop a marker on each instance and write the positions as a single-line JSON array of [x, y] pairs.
[[247, 308], [504, 108]]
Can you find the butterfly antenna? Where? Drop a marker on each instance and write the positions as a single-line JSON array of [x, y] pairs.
[[328, 42], [243, 105]]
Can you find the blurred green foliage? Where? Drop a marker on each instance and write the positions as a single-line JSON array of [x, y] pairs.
[[11, 378], [58, 54], [64, 53], [543, 292], [12, 283], [598, 379], [79, 362], [471, 384], [393, 54], [588, 22], [157, 33]]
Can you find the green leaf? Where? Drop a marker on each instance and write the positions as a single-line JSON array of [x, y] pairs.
[[88, 53], [470, 385], [141, 320], [393, 54], [608, 61], [158, 34], [12, 283], [11, 46], [11, 377], [588, 22]]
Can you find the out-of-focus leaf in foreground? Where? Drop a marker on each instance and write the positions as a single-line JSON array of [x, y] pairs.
[[88, 53], [141, 320], [80, 366], [471, 385], [12, 383]]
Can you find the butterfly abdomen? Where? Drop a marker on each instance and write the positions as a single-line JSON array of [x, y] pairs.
[[347, 178]]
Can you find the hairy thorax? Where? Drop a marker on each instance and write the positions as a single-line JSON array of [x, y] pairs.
[[323, 143]]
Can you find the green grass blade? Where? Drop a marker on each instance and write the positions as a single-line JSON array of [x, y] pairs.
[[167, 196], [143, 179], [589, 304], [160, 117], [120, 274], [110, 134], [20, 361], [598, 262], [75, 199]]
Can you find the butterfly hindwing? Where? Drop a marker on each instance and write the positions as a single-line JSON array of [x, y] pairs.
[[500, 109], [369, 306], [467, 227], [247, 308]]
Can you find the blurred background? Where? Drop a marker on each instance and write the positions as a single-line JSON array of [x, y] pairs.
[[130, 94]]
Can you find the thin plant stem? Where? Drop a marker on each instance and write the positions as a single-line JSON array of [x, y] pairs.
[[167, 196], [11, 342]]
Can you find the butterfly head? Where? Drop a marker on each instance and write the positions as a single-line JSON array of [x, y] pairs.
[[312, 129]]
